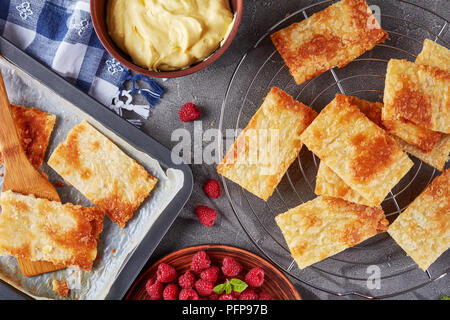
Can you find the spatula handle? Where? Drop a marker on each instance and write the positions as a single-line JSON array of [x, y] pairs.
[[9, 139]]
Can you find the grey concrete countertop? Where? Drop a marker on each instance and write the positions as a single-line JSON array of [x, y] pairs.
[[207, 89]]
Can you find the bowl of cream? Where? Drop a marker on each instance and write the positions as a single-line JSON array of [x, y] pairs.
[[166, 38]]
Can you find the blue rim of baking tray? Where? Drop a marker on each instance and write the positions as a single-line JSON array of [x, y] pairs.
[[134, 137]]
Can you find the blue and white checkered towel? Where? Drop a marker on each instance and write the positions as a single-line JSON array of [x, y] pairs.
[[60, 34]]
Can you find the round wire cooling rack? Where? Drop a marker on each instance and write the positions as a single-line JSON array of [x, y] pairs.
[[349, 272]]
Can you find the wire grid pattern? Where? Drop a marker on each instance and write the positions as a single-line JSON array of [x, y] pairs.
[[261, 68]]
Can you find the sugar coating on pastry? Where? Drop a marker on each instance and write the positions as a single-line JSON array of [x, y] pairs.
[[102, 172], [326, 226], [418, 93], [39, 229], [361, 153], [34, 128], [332, 37], [423, 229], [265, 149]]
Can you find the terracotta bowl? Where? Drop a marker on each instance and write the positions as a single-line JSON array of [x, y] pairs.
[[98, 16], [275, 283]]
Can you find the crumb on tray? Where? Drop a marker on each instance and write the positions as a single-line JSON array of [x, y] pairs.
[[61, 287]]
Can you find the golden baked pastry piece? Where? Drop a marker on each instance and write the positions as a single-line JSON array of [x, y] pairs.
[[361, 153], [326, 226], [330, 184], [434, 55], [265, 149], [436, 158], [39, 229], [423, 229], [34, 128], [102, 172], [422, 138], [332, 37], [418, 93]]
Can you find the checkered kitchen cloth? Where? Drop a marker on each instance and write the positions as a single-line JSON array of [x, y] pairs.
[[60, 34]]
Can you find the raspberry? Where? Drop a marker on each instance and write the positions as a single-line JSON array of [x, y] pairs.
[[154, 289], [188, 294], [171, 292], [235, 294], [226, 297], [200, 261], [255, 277], [212, 188], [211, 274], [264, 296], [213, 296], [204, 288], [189, 112], [187, 280], [166, 273], [248, 294], [231, 267], [206, 215]]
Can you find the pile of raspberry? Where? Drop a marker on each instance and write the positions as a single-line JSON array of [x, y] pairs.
[[199, 281]]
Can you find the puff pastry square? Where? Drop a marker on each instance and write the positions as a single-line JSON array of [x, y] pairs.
[[423, 229], [265, 149], [418, 93], [330, 184], [436, 158], [326, 226], [102, 172], [331, 37], [361, 153], [434, 55], [39, 229], [34, 128]]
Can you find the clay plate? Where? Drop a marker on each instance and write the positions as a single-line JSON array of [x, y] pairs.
[[275, 282]]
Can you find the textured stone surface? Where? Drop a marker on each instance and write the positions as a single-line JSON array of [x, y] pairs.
[[207, 89]]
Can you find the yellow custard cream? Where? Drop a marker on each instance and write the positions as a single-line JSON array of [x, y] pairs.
[[164, 35]]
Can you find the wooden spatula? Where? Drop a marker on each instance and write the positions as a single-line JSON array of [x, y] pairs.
[[21, 176]]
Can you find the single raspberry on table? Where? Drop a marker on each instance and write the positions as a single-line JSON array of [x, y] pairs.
[[204, 288], [211, 274], [265, 296], [231, 267], [206, 215], [187, 280], [212, 188], [248, 294], [166, 273], [200, 261], [189, 112], [226, 297], [188, 294], [154, 289], [171, 292], [255, 277]]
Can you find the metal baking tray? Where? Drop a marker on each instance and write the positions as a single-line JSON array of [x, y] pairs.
[[127, 132]]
